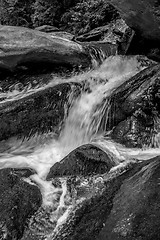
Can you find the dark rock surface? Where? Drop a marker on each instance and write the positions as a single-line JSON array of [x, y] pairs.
[[21, 46], [135, 110], [127, 207], [143, 16], [85, 160], [108, 33], [116, 33], [47, 28], [120, 205], [135, 212], [41, 111], [18, 202]]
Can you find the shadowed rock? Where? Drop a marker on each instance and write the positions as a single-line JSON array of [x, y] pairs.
[[111, 32], [121, 205], [125, 208], [18, 202], [85, 160], [143, 16], [114, 35], [135, 212], [134, 112]]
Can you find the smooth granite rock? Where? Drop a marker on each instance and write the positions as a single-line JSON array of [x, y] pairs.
[[22, 46]]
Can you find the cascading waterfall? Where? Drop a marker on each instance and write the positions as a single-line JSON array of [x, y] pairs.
[[82, 125]]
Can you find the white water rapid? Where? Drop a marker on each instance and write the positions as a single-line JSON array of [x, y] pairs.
[[81, 126]]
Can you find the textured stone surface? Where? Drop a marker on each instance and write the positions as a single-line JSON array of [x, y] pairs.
[[85, 160], [120, 205], [20, 46], [114, 35], [18, 202], [135, 212], [135, 110], [41, 111], [108, 33]]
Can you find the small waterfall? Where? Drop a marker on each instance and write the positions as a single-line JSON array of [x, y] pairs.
[[86, 116], [84, 123]]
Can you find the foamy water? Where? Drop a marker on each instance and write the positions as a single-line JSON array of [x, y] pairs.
[[81, 126]]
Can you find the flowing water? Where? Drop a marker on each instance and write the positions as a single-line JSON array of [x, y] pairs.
[[82, 125]]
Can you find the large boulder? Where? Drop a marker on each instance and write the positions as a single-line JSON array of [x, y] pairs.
[[134, 110], [112, 32], [42, 111], [19, 200], [86, 160], [21, 46], [135, 212], [143, 16], [116, 33], [123, 204]]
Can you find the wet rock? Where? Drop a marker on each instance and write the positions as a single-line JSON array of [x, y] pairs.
[[123, 204], [116, 33], [19, 200], [21, 46], [135, 110], [137, 131], [85, 160], [47, 28], [101, 50], [108, 33], [39, 112], [135, 211]]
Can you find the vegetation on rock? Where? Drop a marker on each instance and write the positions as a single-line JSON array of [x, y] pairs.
[[87, 15], [77, 16]]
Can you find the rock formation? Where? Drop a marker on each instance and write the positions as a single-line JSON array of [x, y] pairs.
[[122, 204], [116, 33], [86, 160], [137, 111], [19, 200], [41, 111], [21, 46], [92, 193]]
